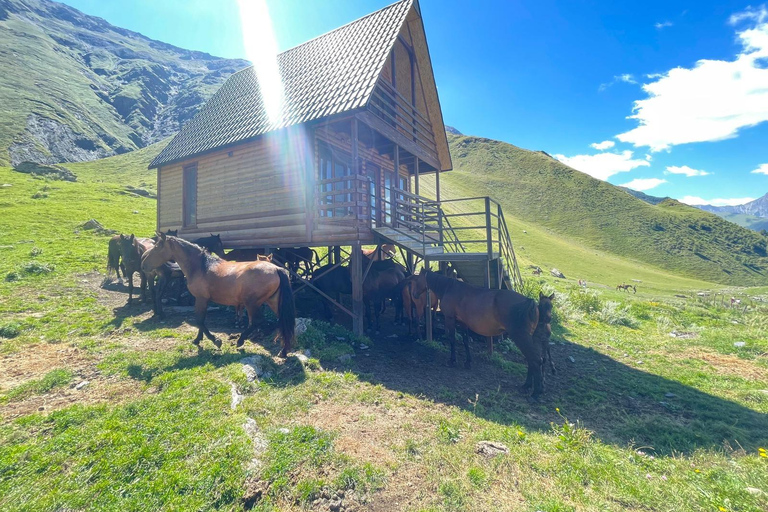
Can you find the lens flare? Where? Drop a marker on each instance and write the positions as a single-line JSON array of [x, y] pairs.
[[261, 49]]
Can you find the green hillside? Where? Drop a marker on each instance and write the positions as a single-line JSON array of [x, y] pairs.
[[541, 191], [75, 88], [748, 221]]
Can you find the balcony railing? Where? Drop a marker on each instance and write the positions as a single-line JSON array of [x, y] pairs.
[[390, 106]]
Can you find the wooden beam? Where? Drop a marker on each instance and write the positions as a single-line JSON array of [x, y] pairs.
[[356, 272], [437, 184], [416, 174], [428, 316], [370, 119]]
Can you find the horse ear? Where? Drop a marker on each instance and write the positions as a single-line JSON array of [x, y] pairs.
[[132, 237], [269, 257], [122, 236], [552, 297], [541, 296]]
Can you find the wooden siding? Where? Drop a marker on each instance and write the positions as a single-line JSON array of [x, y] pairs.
[[253, 193]]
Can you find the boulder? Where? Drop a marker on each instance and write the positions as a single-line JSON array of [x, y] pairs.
[[557, 273], [490, 448]]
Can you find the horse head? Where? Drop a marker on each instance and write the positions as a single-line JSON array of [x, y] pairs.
[[262, 257], [545, 308], [158, 254]]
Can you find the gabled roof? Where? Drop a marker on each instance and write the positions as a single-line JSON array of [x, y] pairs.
[[333, 73]]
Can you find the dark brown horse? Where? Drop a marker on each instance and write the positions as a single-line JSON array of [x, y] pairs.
[[488, 313], [131, 250], [212, 244], [248, 284], [543, 331], [113, 259], [297, 258]]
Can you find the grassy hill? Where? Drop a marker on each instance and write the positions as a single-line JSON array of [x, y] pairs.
[[540, 191], [73, 87], [103, 407], [752, 222]]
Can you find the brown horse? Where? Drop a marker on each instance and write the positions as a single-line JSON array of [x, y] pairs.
[[212, 244], [381, 284], [248, 284], [488, 313], [543, 331], [415, 307]]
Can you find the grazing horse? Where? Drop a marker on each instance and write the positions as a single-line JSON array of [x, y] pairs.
[[387, 252], [113, 258], [415, 307], [248, 284], [627, 287], [488, 313], [212, 244], [543, 331]]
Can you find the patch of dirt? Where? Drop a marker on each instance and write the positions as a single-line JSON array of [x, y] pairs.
[[99, 390], [723, 364], [34, 361]]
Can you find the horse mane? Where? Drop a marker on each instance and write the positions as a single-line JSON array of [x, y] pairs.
[[207, 259], [439, 283]]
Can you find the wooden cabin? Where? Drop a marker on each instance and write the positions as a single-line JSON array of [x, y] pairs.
[[333, 158]]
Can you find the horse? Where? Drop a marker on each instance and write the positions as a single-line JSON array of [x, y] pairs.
[[113, 258], [244, 255], [131, 250], [295, 257], [488, 313], [543, 331], [210, 278], [172, 232], [212, 243], [380, 284], [627, 287], [165, 273], [415, 307], [387, 252]]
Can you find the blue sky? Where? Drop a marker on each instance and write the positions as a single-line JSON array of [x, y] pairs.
[[558, 77]]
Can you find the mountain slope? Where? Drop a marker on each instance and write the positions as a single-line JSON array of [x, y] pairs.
[[752, 215], [73, 87], [643, 196], [541, 190]]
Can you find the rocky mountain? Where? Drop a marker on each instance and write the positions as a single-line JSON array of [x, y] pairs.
[[757, 208], [74, 87]]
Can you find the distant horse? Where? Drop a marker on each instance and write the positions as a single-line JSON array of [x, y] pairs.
[[543, 331], [627, 287], [248, 284], [212, 243], [387, 252], [297, 257], [488, 313], [113, 258]]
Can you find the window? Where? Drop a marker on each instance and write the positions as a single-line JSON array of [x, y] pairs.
[[332, 167], [190, 195]]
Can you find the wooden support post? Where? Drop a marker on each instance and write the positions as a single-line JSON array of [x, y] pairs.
[[336, 254], [488, 230], [428, 316], [392, 185], [356, 272], [330, 255], [437, 185], [416, 176]]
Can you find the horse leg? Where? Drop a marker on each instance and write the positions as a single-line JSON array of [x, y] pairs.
[[150, 282], [532, 353], [252, 311], [201, 308], [143, 278], [551, 362], [450, 330], [162, 284], [130, 288], [468, 360]]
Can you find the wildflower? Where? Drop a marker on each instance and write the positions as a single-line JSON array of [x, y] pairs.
[[648, 476], [696, 470], [558, 410], [664, 477], [722, 509]]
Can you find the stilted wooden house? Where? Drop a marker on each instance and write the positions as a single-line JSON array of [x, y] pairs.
[[331, 156]]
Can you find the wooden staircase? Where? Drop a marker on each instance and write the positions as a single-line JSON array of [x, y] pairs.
[[482, 255]]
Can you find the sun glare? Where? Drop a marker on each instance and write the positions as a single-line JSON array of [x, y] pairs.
[[261, 49]]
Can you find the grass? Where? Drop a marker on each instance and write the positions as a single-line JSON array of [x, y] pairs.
[[635, 419], [537, 191]]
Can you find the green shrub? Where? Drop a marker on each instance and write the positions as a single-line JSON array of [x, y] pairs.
[[613, 313], [36, 268], [9, 330], [585, 301]]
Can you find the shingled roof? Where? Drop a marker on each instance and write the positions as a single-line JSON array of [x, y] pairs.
[[333, 73]]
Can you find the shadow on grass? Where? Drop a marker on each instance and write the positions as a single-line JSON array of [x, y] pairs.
[[621, 404]]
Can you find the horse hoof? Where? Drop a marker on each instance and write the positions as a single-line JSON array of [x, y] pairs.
[[196, 343], [524, 389], [240, 342], [283, 354], [216, 342]]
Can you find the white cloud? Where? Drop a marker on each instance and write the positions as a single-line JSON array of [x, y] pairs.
[[711, 101], [643, 184], [626, 78], [602, 146], [684, 169], [603, 165], [693, 201], [663, 24], [762, 169]]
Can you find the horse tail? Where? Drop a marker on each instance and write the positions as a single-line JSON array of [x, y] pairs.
[[113, 260], [287, 311]]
